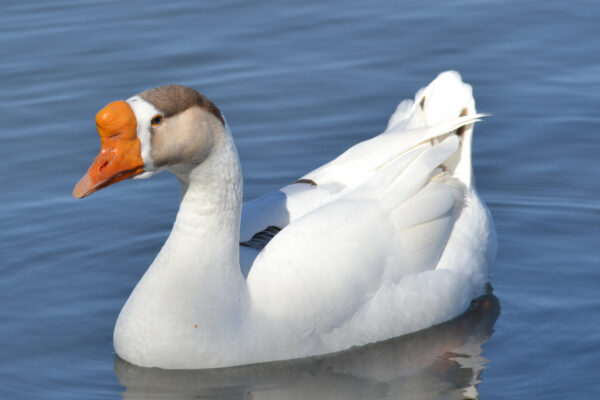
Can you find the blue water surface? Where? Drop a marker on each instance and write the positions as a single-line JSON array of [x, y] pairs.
[[299, 82]]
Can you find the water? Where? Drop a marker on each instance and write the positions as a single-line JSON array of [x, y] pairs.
[[298, 84]]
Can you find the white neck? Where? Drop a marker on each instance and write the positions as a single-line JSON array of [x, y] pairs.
[[194, 286], [203, 246]]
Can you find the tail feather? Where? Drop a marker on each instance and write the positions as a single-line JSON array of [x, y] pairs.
[[443, 108], [418, 172], [443, 99], [363, 160], [424, 136]]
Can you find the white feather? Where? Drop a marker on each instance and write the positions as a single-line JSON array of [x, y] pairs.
[[144, 113], [382, 245]]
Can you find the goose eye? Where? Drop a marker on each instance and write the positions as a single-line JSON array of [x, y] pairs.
[[157, 120]]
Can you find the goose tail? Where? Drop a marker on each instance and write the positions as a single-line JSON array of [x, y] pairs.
[[446, 99]]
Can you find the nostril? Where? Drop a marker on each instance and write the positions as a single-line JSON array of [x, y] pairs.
[[103, 165]]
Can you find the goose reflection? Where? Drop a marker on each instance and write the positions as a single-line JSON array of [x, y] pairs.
[[440, 362]]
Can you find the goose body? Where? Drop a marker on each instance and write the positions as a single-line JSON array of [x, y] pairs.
[[388, 238]]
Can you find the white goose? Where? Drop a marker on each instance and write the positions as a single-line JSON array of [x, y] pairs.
[[387, 239]]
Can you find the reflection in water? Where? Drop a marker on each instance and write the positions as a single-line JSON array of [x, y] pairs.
[[440, 362]]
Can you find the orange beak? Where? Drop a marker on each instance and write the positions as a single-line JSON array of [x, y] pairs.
[[120, 156]]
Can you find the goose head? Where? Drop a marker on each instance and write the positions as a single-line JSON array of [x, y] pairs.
[[168, 127]]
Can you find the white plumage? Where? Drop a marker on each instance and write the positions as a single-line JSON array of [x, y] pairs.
[[388, 238]]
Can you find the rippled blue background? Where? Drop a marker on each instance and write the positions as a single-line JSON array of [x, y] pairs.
[[298, 83]]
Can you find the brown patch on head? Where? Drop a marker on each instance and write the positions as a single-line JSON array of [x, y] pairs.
[[175, 99], [186, 137], [462, 129]]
